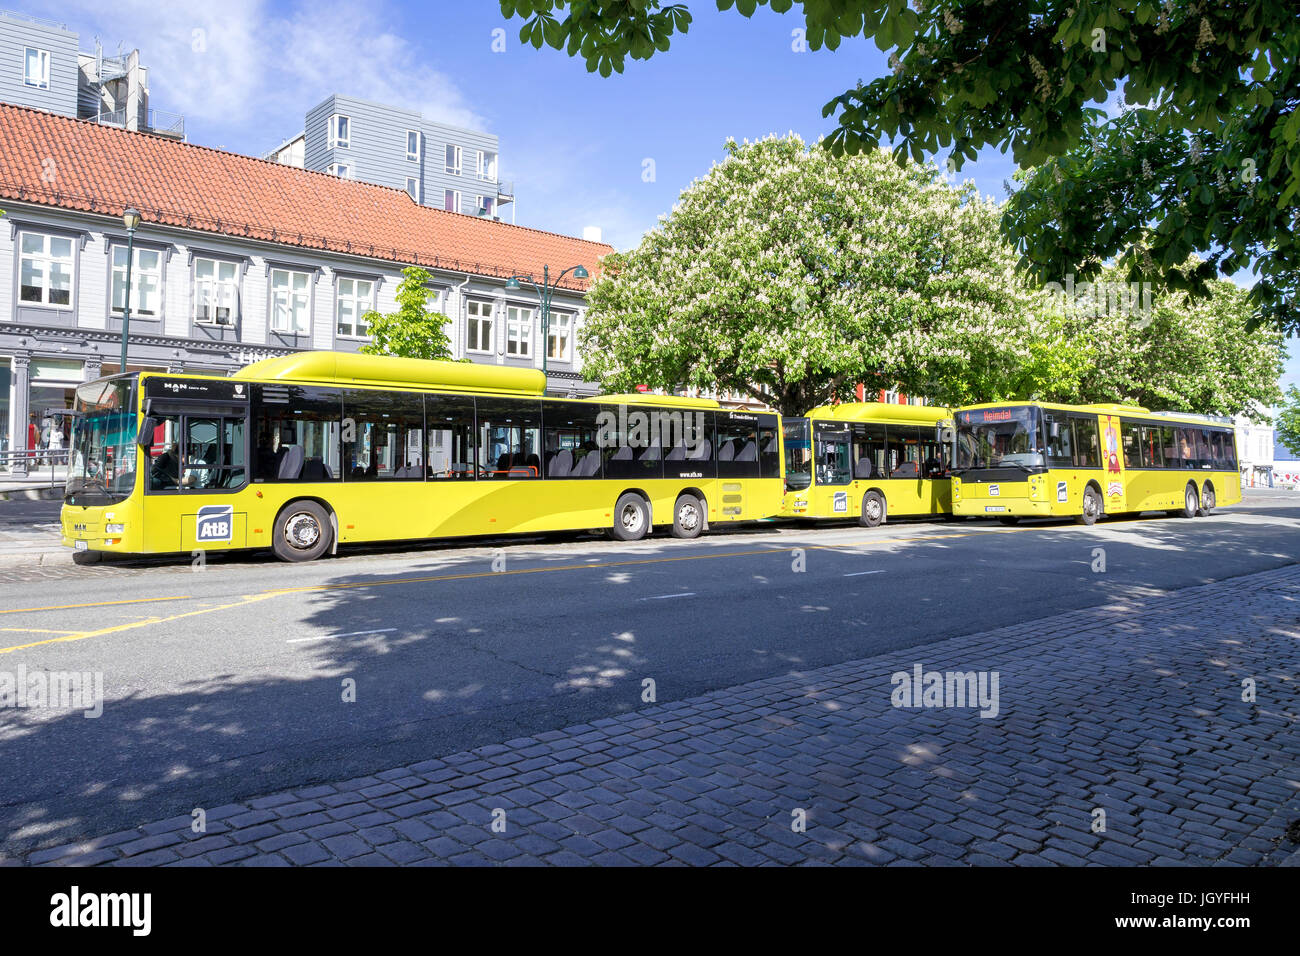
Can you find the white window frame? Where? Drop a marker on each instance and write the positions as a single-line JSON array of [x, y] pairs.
[[348, 291], [337, 141], [519, 331], [213, 294], [566, 354], [46, 260], [483, 169], [341, 170], [454, 168], [290, 295], [139, 275], [484, 203], [456, 204], [419, 145], [478, 313], [413, 188], [43, 64]]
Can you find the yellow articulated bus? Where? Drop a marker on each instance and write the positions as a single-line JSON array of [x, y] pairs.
[[307, 451], [866, 460], [1031, 459]]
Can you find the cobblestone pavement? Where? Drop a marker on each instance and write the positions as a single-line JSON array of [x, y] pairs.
[[1133, 710]]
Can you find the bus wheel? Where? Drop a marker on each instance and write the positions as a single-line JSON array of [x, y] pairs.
[[631, 517], [1191, 503], [688, 517], [1091, 506], [873, 510], [1010, 519], [1207, 499], [302, 532], [87, 557]]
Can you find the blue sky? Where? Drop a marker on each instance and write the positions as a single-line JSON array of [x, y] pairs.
[[244, 72]]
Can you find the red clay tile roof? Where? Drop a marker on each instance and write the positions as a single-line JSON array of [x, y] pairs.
[[103, 170]]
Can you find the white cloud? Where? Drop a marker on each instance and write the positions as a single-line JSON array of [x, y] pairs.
[[237, 67]]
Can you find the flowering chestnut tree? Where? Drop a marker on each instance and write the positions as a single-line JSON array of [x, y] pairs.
[[792, 275]]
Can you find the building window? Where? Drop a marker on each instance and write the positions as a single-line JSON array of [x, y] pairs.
[[36, 68], [453, 159], [45, 267], [290, 301], [216, 292], [485, 166], [340, 131], [342, 170], [355, 298], [519, 331], [413, 188], [146, 281], [478, 336], [559, 337], [414, 144], [485, 205], [451, 200]]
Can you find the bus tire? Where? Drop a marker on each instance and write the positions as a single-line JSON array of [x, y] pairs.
[[303, 531], [1091, 510], [1208, 501], [87, 557], [1009, 519], [631, 517], [1191, 503], [873, 510], [688, 517]]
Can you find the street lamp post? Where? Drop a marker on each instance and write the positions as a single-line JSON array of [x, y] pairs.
[[130, 219], [544, 293]]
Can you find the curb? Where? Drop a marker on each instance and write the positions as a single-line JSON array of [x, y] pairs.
[[25, 559], [35, 493]]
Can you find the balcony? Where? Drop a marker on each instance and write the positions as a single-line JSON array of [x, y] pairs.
[[506, 191], [158, 122]]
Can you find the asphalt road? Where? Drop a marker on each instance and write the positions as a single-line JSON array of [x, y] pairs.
[[229, 681]]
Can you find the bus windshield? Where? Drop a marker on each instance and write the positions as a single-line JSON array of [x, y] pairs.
[[101, 465], [999, 438], [798, 454]]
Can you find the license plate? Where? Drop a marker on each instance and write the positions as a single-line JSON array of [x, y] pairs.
[[80, 546], [995, 507]]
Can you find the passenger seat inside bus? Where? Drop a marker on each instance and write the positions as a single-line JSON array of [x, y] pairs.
[[560, 465], [291, 458]]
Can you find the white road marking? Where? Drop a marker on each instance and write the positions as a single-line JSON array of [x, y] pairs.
[[330, 637], [854, 574], [662, 597]]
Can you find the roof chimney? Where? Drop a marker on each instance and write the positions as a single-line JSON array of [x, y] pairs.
[[591, 233]]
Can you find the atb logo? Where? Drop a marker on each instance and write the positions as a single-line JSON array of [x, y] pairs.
[[215, 523]]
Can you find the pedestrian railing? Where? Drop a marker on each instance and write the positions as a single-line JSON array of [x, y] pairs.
[[35, 466]]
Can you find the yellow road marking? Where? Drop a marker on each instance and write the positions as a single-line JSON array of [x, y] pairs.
[[81, 636], [70, 607]]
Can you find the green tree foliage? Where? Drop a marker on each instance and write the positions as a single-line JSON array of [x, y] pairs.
[[1287, 421], [1210, 164], [413, 331], [792, 274], [1179, 354]]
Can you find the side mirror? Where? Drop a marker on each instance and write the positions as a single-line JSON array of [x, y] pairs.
[[144, 437]]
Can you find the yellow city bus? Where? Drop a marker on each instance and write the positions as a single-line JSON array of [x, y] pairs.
[[305, 452], [1031, 459], [865, 460]]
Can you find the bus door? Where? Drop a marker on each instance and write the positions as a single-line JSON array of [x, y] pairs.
[[833, 468], [197, 457], [1112, 454]]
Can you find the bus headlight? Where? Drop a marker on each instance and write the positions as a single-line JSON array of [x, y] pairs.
[[114, 529]]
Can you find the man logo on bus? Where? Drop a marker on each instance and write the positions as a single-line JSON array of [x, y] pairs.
[[215, 523]]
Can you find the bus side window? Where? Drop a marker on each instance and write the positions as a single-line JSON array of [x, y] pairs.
[[164, 453], [1087, 447]]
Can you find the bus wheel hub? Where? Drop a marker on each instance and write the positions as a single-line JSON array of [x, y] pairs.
[[302, 531]]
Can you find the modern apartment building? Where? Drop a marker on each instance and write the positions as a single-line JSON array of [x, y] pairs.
[[42, 66], [237, 259], [446, 167]]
